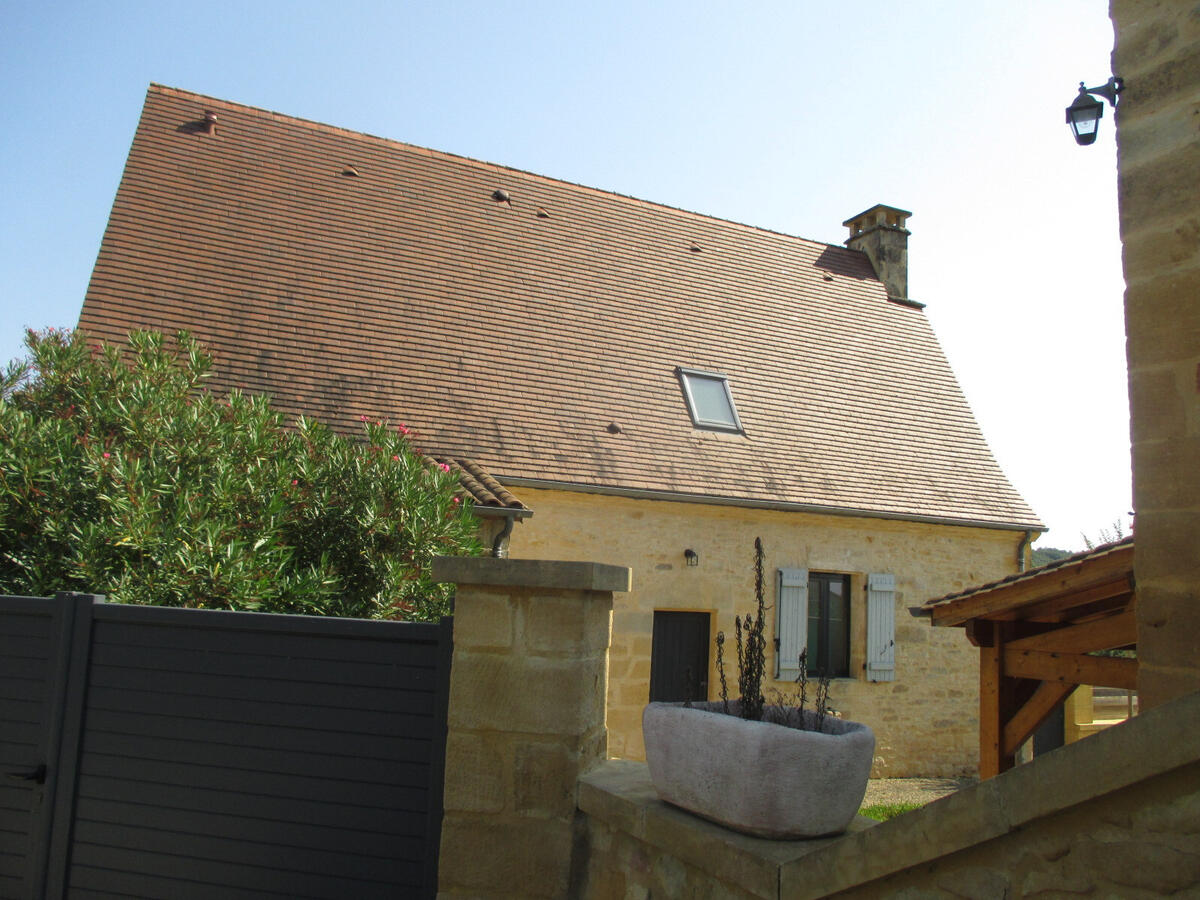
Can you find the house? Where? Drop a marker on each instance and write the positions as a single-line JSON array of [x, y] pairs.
[[623, 381]]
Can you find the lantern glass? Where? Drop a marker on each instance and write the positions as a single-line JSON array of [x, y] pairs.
[[1084, 118]]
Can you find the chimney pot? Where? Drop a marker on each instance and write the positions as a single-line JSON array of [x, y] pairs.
[[880, 233]]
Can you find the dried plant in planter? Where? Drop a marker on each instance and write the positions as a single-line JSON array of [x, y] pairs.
[[751, 639], [806, 779]]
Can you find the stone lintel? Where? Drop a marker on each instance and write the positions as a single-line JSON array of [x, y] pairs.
[[532, 573]]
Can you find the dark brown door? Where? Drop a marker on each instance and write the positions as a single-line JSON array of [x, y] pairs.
[[679, 656]]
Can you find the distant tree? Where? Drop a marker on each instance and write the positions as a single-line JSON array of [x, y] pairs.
[[121, 474], [1044, 555], [1106, 536]]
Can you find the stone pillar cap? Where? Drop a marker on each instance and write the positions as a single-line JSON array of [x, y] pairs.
[[533, 573]]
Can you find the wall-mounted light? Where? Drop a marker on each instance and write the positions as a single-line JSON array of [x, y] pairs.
[[1084, 114], [692, 557]]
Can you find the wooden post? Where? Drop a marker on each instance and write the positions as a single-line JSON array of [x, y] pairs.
[[991, 728]]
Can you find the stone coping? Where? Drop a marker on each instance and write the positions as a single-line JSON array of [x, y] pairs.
[[620, 794], [532, 573], [1158, 741]]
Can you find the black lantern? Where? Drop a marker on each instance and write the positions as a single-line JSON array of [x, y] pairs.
[[1084, 114]]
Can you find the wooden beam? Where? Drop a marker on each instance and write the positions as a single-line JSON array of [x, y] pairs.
[[1111, 595], [990, 725], [1017, 730], [1037, 588], [979, 632], [1071, 668], [1102, 634]]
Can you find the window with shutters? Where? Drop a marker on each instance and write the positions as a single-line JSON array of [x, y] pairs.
[[814, 613]]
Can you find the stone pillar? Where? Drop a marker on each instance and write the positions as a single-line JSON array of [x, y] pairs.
[[527, 699], [1158, 174]]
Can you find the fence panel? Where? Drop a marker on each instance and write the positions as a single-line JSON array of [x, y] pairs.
[[244, 755]]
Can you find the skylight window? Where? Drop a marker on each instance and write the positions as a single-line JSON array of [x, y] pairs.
[[709, 400]]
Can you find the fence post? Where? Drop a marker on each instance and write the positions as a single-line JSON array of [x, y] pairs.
[[528, 684]]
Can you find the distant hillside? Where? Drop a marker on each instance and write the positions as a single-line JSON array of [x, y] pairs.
[[1043, 555]]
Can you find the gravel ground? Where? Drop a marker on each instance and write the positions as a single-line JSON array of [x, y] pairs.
[[912, 790]]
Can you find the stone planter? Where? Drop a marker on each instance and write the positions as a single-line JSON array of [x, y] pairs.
[[758, 778]]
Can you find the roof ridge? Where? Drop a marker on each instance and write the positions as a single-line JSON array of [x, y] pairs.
[[167, 90]]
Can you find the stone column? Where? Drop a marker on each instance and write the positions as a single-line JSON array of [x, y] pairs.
[[1158, 166], [527, 700]]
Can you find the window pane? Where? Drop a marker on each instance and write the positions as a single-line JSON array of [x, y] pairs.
[[839, 628], [828, 624], [711, 400], [814, 625]]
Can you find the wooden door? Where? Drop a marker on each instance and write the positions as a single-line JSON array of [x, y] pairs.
[[679, 656]]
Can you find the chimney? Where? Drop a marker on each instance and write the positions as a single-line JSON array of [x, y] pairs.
[[879, 232]]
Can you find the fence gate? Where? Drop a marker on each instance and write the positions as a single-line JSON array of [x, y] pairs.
[[153, 752]]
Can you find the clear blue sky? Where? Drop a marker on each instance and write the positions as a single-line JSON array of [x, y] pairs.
[[787, 115]]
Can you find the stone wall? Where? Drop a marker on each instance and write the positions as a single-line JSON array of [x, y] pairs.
[[1115, 815], [1158, 157], [926, 721], [526, 718]]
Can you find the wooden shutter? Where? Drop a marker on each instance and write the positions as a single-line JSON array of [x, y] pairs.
[[881, 627], [791, 626]]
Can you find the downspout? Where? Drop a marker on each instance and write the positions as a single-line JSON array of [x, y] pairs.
[[500, 544], [1025, 542]]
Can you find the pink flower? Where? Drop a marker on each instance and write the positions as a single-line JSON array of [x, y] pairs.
[[362, 418], [107, 455], [402, 428], [456, 501], [294, 481], [396, 458], [443, 467]]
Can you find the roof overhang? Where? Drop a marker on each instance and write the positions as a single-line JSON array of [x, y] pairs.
[[1041, 634]]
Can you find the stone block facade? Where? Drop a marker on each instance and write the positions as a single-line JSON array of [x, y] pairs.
[[1157, 53], [925, 721]]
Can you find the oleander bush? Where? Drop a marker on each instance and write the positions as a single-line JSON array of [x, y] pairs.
[[121, 473]]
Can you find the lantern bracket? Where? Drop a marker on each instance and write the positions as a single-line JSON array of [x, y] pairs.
[[1109, 90]]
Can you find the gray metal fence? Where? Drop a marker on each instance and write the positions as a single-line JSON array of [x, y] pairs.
[[179, 753]]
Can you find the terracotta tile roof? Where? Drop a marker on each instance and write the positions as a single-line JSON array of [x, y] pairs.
[[486, 491], [347, 274]]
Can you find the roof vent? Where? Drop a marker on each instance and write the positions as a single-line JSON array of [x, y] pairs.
[[614, 428], [210, 121], [350, 172], [695, 248], [542, 214], [501, 196]]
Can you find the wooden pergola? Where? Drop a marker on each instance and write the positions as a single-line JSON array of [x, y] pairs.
[[1036, 632]]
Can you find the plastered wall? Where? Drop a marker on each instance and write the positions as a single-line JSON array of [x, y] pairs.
[[926, 721]]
